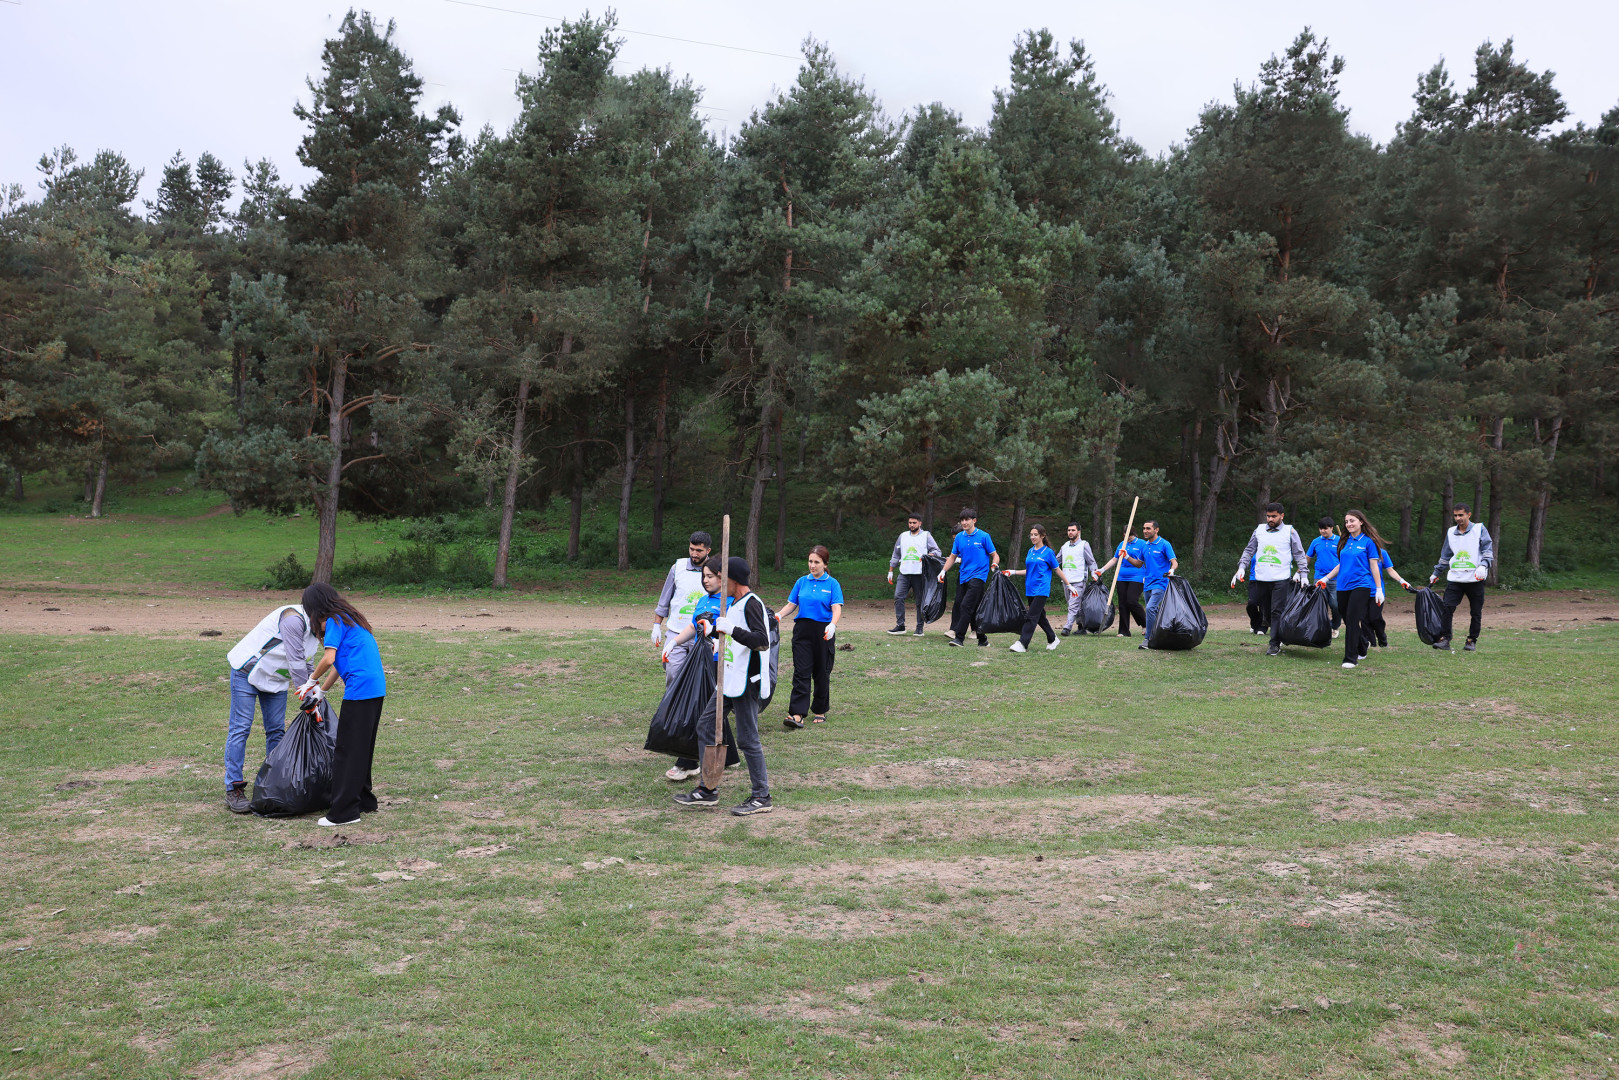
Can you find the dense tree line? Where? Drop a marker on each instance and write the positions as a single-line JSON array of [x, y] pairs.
[[605, 299]]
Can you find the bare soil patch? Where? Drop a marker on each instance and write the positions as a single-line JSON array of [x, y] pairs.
[[132, 771], [1415, 1046], [263, 1063], [971, 773]]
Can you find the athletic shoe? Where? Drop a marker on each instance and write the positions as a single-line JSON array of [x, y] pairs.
[[1364, 655], [1442, 646], [1255, 630], [919, 632], [1274, 650], [1335, 635], [1066, 631], [328, 823], [983, 643], [1017, 646], [236, 800], [677, 774], [792, 723], [900, 629], [1143, 645], [956, 643], [1382, 643], [698, 799], [1471, 646], [755, 804], [1347, 664], [1053, 643]]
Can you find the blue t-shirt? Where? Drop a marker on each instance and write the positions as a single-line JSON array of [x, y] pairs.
[[1324, 550], [1355, 563], [815, 597], [973, 549], [1158, 554], [1136, 550], [358, 660], [1039, 564], [709, 607]]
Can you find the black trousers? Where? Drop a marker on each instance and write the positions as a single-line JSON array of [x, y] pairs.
[[812, 669], [1036, 616], [967, 598], [357, 723], [1355, 604], [1266, 599], [1377, 628], [1474, 591], [1130, 604]]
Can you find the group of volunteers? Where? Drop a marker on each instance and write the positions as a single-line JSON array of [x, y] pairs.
[[306, 648]]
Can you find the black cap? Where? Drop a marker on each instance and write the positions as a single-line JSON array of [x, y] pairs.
[[738, 571]]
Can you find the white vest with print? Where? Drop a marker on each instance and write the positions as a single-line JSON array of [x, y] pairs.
[[264, 643], [1465, 560], [1273, 558], [688, 594], [737, 655], [911, 550], [1072, 555]]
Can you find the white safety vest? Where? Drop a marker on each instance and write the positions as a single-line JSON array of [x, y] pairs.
[[689, 593], [1072, 557], [264, 644], [737, 655], [911, 550], [1273, 558], [1465, 560]]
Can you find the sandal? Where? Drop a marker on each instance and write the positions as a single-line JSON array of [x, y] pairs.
[[817, 719], [793, 723]]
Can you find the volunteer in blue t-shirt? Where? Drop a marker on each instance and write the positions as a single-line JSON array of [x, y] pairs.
[[1359, 576], [1159, 564], [976, 553], [1377, 630], [1128, 582], [1323, 556], [351, 653], [817, 601], [1038, 566]]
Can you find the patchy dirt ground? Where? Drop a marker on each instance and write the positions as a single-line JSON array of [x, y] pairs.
[[181, 612]]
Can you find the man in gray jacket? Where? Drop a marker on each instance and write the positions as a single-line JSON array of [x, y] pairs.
[[1465, 560], [1275, 554], [913, 545]]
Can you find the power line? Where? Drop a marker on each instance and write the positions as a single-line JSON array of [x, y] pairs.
[[638, 33]]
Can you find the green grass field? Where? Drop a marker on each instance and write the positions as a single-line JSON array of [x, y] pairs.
[[1097, 862]]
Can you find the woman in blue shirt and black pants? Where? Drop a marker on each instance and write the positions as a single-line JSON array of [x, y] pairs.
[[352, 652], [1038, 566], [1359, 574], [817, 600]]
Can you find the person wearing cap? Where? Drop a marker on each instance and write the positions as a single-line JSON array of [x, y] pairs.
[[1276, 557], [682, 592], [913, 545], [747, 681]]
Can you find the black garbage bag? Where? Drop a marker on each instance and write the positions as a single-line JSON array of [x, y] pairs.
[[687, 702], [935, 593], [1002, 609], [297, 776], [1181, 623], [1095, 613], [1430, 616], [1307, 619]]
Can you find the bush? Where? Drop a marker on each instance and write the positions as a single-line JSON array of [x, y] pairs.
[[420, 564], [1522, 578], [1560, 558], [289, 573]]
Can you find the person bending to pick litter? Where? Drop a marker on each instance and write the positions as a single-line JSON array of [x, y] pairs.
[[276, 655], [817, 601], [682, 592], [1159, 564], [1465, 560], [1079, 566], [913, 545], [1274, 551], [1038, 566], [351, 652], [747, 677], [976, 553]]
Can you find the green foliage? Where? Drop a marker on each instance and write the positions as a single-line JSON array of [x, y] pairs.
[[289, 573]]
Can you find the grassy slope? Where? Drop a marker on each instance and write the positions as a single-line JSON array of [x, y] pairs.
[[936, 926]]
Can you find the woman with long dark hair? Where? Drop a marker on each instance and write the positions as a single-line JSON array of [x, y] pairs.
[[1039, 565], [817, 601], [351, 652], [1359, 575]]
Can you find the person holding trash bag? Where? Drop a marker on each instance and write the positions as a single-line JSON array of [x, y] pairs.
[[1038, 566], [1132, 578], [674, 726], [276, 655], [682, 592], [1079, 564], [817, 603], [747, 681], [687, 644], [1323, 552], [913, 545], [1159, 563], [1465, 559], [1359, 575], [1178, 621], [1277, 557], [976, 553], [351, 653], [1377, 630]]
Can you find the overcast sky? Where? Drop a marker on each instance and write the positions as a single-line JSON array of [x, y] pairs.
[[221, 75]]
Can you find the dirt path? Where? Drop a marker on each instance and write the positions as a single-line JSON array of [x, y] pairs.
[[181, 612]]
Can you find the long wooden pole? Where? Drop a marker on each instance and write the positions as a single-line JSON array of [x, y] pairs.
[[1118, 561], [725, 590]]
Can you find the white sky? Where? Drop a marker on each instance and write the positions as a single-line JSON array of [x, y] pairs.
[[223, 75]]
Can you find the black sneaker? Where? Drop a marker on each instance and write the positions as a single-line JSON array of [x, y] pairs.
[[1274, 650], [236, 800], [919, 632], [900, 629], [792, 723], [699, 799], [1382, 643], [983, 643], [956, 643], [1066, 631], [1471, 646], [1442, 646], [756, 804]]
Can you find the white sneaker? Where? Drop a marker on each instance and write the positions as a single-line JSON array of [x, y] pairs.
[[328, 823], [1017, 646], [1335, 634], [677, 774], [1053, 643], [1347, 664]]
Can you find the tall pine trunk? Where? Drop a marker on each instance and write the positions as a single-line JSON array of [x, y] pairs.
[[1542, 504], [1197, 475], [628, 485], [761, 476], [16, 484], [930, 494], [508, 501], [660, 457], [781, 501], [101, 487], [1226, 434], [1019, 511], [576, 496], [1448, 500], [326, 498], [1405, 522], [1494, 525]]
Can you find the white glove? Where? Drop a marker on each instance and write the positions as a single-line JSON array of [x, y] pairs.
[[891, 577], [727, 623], [941, 579], [309, 684], [657, 633], [1481, 575], [831, 630], [1234, 579]]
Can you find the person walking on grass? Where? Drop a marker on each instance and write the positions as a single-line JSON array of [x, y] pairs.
[[1038, 566], [976, 553], [688, 645], [1130, 558], [352, 654], [1359, 576], [1377, 629], [1465, 560], [1159, 564], [682, 592], [747, 681], [817, 603], [1273, 552], [1079, 565], [913, 545], [276, 655], [1323, 552]]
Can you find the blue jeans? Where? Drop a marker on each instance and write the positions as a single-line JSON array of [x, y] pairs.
[[1154, 598], [243, 696]]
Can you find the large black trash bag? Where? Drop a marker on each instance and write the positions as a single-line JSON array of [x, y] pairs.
[[297, 776], [1430, 616], [1095, 613], [1001, 610], [935, 593], [1180, 623], [687, 702], [1307, 619]]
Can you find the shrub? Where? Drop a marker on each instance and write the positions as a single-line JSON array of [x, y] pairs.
[[289, 573]]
